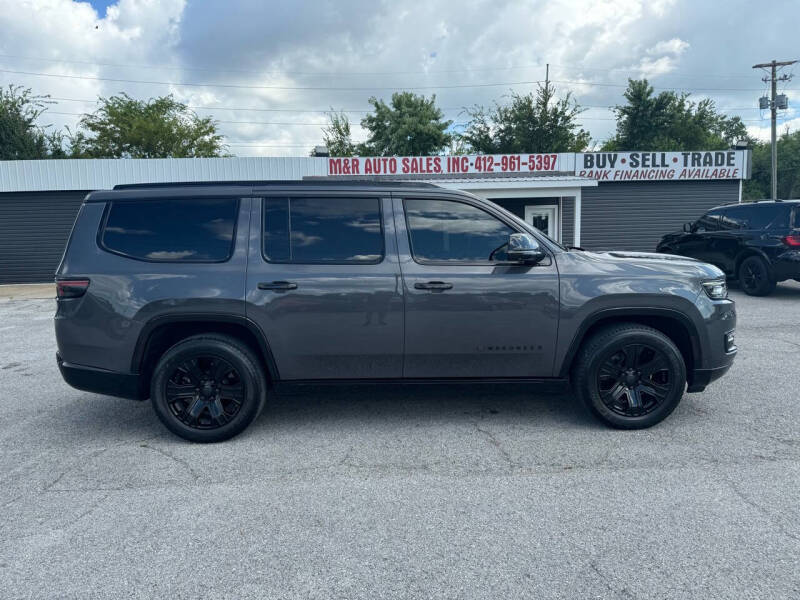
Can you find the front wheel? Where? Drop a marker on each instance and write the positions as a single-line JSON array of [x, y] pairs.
[[208, 388], [630, 376]]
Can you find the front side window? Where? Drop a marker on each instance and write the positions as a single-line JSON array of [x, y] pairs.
[[447, 231], [708, 222], [323, 230], [180, 230]]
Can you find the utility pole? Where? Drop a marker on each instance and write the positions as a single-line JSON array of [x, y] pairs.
[[773, 106]]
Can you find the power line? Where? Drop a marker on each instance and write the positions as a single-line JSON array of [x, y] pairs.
[[354, 110], [343, 73], [273, 87], [358, 88]]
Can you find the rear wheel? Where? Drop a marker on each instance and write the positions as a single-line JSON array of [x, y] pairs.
[[755, 278], [208, 388], [630, 376]]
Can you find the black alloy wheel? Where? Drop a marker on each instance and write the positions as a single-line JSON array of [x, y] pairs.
[[208, 388], [754, 277], [631, 376], [634, 380], [205, 392]]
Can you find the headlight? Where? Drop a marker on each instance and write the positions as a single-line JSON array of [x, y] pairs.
[[717, 289]]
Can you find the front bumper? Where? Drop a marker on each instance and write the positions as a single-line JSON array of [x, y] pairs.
[[101, 381], [718, 350]]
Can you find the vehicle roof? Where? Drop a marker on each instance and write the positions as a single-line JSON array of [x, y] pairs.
[[757, 203], [244, 188]]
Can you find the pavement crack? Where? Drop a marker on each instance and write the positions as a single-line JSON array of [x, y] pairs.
[[760, 509], [623, 593], [195, 476], [492, 439]]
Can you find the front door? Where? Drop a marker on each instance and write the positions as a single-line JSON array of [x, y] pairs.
[[468, 313], [323, 284], [544, 218]]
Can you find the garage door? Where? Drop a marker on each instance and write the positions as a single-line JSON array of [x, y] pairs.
[[34, 228]]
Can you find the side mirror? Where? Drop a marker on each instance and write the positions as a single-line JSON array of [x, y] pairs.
[[687, 227], [523, 248]]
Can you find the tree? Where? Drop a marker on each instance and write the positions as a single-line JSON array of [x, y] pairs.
[[529, 123], [670, 121], [412, 125], [21, 138], [336, 135], [123, 127], [760, 186]]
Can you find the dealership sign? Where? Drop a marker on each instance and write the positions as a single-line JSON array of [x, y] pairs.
[[448, 165], [656, 166], [603, 166]]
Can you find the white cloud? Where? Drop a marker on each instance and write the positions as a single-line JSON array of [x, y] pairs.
[[593, 46], [674, 46]]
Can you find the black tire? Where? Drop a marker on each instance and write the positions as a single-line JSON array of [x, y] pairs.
[[606, 380], [208, 388], [755, 278]]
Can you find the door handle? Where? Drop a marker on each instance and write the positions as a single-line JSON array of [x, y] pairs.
[[280, 286], [434, 286]]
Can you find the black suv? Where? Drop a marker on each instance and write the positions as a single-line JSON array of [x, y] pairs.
[[207, 297], [757, 243]]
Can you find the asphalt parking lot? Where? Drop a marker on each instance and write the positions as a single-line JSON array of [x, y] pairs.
[[405, 493]]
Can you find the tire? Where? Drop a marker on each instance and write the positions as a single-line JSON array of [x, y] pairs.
[[208, 388], [755, 278], [606, 381]]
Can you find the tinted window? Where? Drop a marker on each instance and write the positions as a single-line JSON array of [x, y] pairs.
[[708, 222], [755, 216], [323, 230], [172, 230], [763, 216], [441, 230]]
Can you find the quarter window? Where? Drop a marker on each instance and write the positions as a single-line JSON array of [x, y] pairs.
[[446, 231], [183, 230], [323, 230]]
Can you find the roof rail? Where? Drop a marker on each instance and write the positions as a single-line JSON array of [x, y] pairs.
[[322, 182]]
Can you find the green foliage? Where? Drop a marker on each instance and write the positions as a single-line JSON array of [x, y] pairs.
[[336, 135], [529, 123], [670, 121], [412, 125], [123, 127], [760, 186], [20, 136]]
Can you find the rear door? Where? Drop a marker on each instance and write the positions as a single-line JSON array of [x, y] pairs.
[[323, 283], [467, 313]]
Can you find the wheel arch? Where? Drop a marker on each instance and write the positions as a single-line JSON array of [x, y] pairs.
[[674, 324], [747, 252], [161, 333]]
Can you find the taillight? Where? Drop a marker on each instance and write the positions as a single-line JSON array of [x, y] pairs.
[[792, 240], [71, 288]]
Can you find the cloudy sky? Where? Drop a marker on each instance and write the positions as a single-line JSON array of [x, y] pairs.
[[267, 70]]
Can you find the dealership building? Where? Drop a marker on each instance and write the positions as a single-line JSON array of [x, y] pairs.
[[598, 200]]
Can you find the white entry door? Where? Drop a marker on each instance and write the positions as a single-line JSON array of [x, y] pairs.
[[544, 218]]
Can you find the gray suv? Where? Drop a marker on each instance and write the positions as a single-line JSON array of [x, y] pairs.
[[207, 297]]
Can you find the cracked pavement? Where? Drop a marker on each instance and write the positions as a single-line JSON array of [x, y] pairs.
[[405, 492]]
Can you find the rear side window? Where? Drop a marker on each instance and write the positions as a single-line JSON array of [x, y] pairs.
[[323, 230], [756, 216], [185, 230]]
